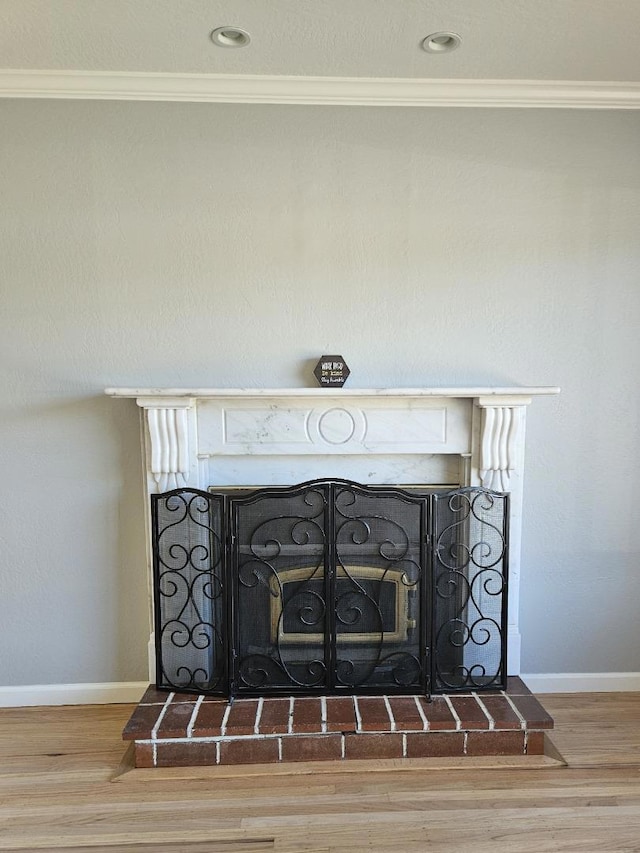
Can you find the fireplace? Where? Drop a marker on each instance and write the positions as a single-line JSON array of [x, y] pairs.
[[241, 438], [446, 464], [330, 587]]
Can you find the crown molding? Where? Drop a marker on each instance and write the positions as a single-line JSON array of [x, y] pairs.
[[348, 91]]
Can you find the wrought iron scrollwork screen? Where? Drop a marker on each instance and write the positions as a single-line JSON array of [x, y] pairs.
[[330, 586], [469, 555], [188, 545]]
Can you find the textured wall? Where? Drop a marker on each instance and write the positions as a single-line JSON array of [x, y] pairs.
[[160, 244]]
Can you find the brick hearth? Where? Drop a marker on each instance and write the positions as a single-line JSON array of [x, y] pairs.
[[180, 729]]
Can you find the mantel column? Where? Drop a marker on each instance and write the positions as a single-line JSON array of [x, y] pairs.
[[499, 465], [170, 458]]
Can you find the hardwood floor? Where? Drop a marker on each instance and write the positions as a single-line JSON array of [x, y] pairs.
[[57, 794]]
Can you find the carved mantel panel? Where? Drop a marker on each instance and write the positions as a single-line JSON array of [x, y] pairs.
[[332, 426]]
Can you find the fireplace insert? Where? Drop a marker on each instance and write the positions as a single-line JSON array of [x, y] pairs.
[[330, 587]]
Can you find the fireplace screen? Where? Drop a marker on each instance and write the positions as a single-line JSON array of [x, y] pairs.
[[327, 586], [330, 587]]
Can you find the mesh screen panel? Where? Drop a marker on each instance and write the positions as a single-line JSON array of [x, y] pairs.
[[189, 590], [280, 557], [379, 618], [469, 589]]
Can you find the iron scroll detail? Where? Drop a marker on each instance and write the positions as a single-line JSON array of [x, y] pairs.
[[189, 591], [469, 559], [279, 581], [379, 589]]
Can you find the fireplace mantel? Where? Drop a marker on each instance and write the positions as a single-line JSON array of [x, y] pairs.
[[471, 436], [479, 391]]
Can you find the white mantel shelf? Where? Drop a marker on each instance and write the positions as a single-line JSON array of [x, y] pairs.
[[480, 391]]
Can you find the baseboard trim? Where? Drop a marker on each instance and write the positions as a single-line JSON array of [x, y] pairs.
[[582, 682], [118, 692], [105, 693]]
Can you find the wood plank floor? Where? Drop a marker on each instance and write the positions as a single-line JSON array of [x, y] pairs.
[[57, 794]]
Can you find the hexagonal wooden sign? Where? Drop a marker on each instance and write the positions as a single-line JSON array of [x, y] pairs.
[[331, 371]]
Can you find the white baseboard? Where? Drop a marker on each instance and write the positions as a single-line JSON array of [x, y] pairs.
[[115, 692], [110, 692], [582, 682]]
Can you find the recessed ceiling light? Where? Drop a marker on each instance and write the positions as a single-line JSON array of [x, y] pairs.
[[230, 37], [441, 42]]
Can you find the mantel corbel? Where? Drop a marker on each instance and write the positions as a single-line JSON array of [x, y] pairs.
[[501, 435], [168, 433]]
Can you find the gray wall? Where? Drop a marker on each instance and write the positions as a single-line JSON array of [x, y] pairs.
[[165, 244]]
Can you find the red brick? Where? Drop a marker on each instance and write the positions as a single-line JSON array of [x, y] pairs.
[[175, 720], [501, 711], [373, 714], [471, 714], [406, 714], [312, 748], [435, 744], [242, 717], [209, 719], [249, 751], [275, 717], [379, 745], [438, 713], [516, 686], [185, 754], [535, 743], [144, 755], [141, 722], [533, 712], [495, 743], [152, 696], [341, 714], [307, 715], [184, 697]]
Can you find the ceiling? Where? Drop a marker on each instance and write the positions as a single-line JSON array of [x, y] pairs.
[[582, 40]]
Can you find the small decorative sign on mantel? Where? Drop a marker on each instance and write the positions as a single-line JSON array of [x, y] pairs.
[[331, 371]]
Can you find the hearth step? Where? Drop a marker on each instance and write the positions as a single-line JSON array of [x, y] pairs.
[[180, 729]]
